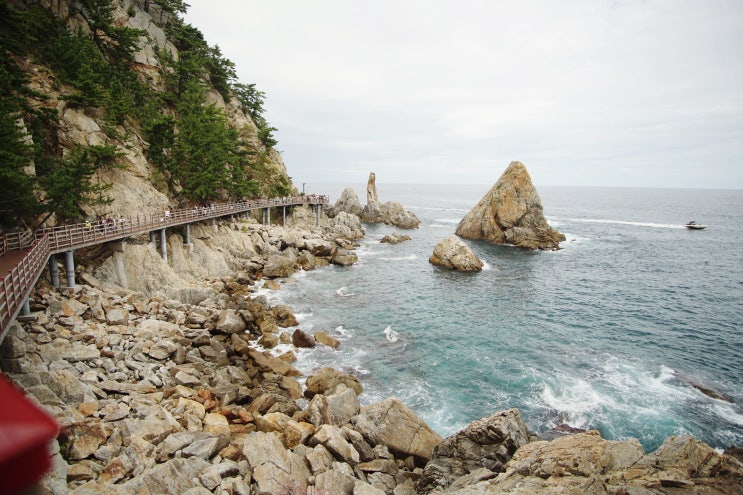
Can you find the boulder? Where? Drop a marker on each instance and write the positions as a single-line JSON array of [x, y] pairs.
[[511, 213], [229, 321], [336, 409], [280, 265], [454, 254], [275, 468], [302, 339], [395, 238], [284, 316], [393, 424], [328, 340], [333, 439], [343, 257], [344, 225], [488, 443], [327, 380], [393, 213]]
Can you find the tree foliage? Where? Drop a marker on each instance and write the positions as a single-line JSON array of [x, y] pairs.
[[190, 142]]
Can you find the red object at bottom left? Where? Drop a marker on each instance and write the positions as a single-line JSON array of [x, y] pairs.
[[25, 433]]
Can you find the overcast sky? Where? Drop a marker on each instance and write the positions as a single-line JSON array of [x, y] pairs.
[[586, 93]]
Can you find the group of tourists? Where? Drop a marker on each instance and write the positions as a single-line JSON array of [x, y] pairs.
[[106, 224]]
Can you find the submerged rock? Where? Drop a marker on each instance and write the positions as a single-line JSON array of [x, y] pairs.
[[454, 254], [511, 213]]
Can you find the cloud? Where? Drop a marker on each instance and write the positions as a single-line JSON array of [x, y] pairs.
[[635, 92]]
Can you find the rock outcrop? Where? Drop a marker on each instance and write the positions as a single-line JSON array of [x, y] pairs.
[[511, 213], [348, 202], [484, 447], [394, 238], [454, 254], [586, 463], [390, 213], [371, 189]]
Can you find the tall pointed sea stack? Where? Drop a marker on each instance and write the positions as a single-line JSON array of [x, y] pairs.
[[511, 213]]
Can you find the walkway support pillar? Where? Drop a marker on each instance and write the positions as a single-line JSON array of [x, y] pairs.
[[188, 234], [317, 207], [284, 224], [163, 245], [69, 264], [54, 270], [26, 308], [268, 215], [153, 238]]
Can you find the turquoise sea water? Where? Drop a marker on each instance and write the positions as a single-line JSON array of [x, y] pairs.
[[607, 333]]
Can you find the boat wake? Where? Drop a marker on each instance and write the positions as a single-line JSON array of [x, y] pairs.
[[624, 222]]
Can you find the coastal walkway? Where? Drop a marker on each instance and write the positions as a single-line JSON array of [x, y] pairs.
[[23, 256]]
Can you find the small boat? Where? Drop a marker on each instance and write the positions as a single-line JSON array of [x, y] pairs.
[[695, 226]]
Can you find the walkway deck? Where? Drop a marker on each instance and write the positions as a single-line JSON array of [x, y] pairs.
[[23, 257]]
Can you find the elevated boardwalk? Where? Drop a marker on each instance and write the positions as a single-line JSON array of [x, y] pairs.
[[23, 256]]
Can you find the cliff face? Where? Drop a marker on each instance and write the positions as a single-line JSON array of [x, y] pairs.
[[136, 183], [511, 213]]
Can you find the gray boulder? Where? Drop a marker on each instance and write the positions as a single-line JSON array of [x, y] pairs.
[[488, 443], [393, 424], [452, 253]]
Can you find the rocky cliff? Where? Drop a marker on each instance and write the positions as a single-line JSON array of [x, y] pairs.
[[131, 101], [511, 213]]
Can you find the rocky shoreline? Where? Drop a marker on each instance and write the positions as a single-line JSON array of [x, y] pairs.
[[175, 391]]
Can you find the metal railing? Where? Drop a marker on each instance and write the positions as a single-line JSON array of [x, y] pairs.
[[20, 279]]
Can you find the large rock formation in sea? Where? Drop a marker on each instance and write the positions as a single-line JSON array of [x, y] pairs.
[[454, 254], [390, 213], [511, 213]]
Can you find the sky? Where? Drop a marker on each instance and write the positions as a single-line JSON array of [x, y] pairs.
[[627, 93]]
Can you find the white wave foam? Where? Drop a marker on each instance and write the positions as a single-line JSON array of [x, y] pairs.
[[391, 335], [343, 292], [728, 412], [343, 332], [577, 402], [409, 257], [452, 221], [302, 316], [486, 266]]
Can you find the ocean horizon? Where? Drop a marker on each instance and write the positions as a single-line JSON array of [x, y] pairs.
[[619, 331]]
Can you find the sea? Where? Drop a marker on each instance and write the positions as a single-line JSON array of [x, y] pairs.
[[618, 331]]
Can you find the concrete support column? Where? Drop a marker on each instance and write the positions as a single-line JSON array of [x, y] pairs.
[[214, 223], [54, 270], [153, 238], [268, 215], [318, 214], [284, 224], [188, 234], [26, 308], [69, 264], [163, 245]]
